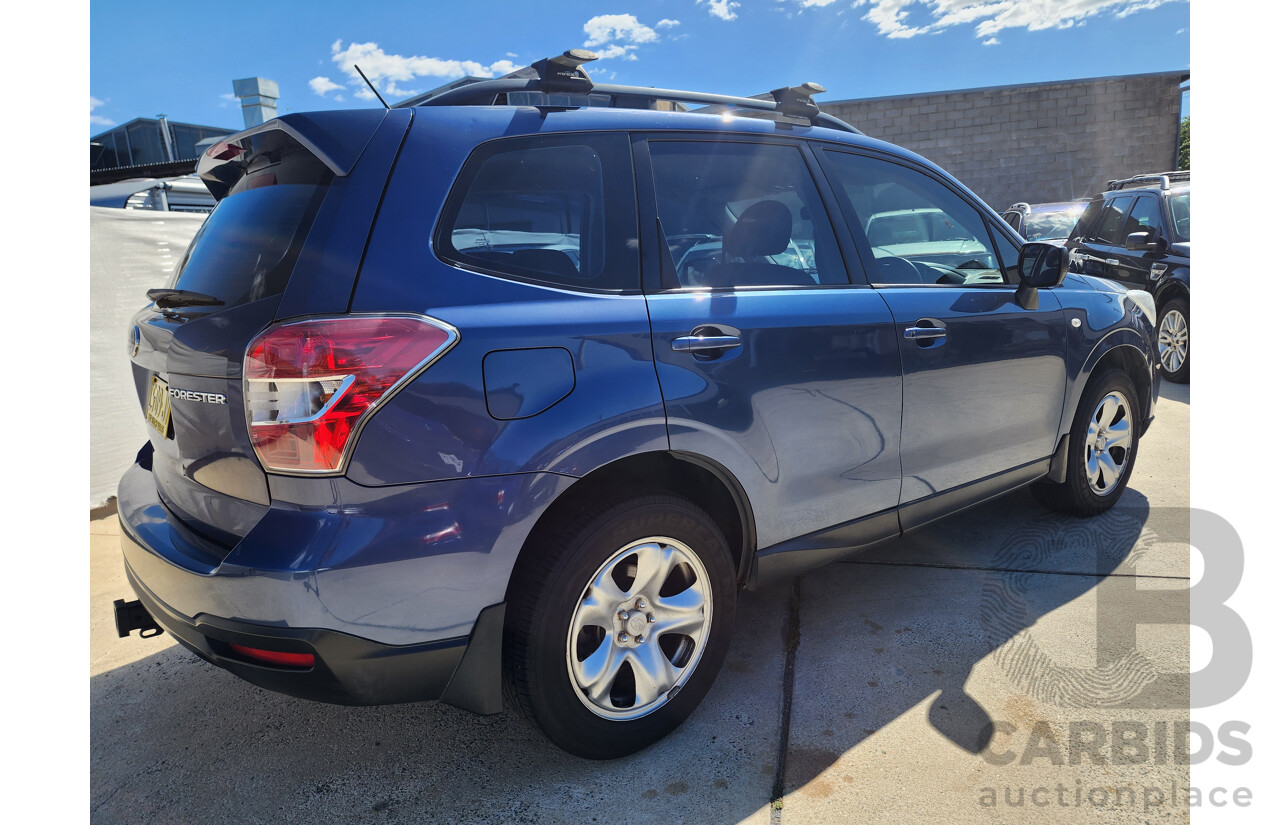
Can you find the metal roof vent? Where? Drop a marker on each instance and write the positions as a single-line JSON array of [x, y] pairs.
[[258, 98]]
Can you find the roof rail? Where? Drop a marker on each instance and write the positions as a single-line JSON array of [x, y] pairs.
[[560, 82], [1162, 178]]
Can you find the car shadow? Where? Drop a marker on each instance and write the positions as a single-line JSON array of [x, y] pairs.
[[908, 623], [176, 739]]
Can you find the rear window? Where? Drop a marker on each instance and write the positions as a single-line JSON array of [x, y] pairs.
[[247, 248]]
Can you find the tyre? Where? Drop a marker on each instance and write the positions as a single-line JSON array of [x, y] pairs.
[[1173, 338], [1102, 447], [619, 626]]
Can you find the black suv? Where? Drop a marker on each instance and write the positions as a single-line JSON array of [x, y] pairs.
[[1138, 233]]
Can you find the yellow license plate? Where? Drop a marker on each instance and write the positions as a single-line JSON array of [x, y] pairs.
[[158, 406]]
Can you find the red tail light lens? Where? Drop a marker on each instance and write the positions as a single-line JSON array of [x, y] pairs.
[[309, 385], [275, 657]]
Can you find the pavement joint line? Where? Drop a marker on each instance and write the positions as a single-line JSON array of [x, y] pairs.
[[791, 637], [979, 568]]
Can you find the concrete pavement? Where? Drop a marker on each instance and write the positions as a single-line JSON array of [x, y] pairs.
[[1004, 654]]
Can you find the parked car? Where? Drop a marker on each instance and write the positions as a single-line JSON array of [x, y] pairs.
[[1045, 222], [432, 406], [182, 194], [1138, 234]]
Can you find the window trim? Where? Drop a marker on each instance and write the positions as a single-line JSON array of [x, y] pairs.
[[442, 245], [654, 248], [994, 222]]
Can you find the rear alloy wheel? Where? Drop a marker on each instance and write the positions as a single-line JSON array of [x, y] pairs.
[[1101, 449], [620, 629], [1173, 338]]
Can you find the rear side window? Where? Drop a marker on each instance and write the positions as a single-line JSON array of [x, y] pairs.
[[557, 209], [246, 249], [740, 215], [1111, 225], [1087, 219]]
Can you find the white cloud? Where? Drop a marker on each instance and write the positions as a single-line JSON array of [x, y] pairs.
[[817, 4], [323, 85], [908, 18], [724, 9], [616, 50], [604, 28], [388, 71], [98, 120], [619, 35], [991, 41]]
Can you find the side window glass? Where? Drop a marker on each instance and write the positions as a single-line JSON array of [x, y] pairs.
[[743, 215], [920, 231], [1112, 222], [543, 209], [1144, 217]]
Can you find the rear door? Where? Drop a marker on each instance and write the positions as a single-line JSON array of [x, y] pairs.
[[771, 362], [276, 189], [983, 378]]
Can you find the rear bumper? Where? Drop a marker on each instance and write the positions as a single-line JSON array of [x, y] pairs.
[[397, 593], [348, 670]]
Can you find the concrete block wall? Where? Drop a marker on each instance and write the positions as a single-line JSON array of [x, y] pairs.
[[1034, 143]]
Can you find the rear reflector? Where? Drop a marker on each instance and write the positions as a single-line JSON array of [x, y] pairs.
[[311, 385], [275, 657]]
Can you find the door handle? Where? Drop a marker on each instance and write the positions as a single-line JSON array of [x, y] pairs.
[[1113, 262], [705, 343], [924, 333]]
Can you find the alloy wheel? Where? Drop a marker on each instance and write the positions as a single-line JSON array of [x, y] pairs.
[[1107, 442], [639, 629]]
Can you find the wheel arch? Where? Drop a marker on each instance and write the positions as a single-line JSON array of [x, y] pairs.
[[1122, 352], [1170, 289], [696, 478]]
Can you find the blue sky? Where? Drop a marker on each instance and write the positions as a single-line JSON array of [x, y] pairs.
[[179, 59]]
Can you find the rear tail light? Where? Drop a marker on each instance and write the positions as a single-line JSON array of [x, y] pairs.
[[311, 385]]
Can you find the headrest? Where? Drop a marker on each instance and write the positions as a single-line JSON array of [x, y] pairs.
[[764, 229]]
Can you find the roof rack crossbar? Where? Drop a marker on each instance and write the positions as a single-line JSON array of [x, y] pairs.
[[563, 74], [1163, 178], [487, 93]]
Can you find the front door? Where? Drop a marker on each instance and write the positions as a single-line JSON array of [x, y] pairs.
[[983, 378]]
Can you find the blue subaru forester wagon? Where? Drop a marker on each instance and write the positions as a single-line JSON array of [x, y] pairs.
[[517, 386]]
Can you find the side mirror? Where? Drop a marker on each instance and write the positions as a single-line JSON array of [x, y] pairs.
[[1041, 265], [1147, 241]]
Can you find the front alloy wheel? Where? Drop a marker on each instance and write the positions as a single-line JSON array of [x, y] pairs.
[[1101, 448], [1106, 443]]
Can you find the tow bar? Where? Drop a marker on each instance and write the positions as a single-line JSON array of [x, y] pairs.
[[131, 616]]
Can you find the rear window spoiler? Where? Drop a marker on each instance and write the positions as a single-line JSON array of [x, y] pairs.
[[336, 139]]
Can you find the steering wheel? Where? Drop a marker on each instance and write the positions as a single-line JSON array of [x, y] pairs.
[[894, 270]]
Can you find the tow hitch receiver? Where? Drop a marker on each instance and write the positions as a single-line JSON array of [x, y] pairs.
[[131, 616]]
